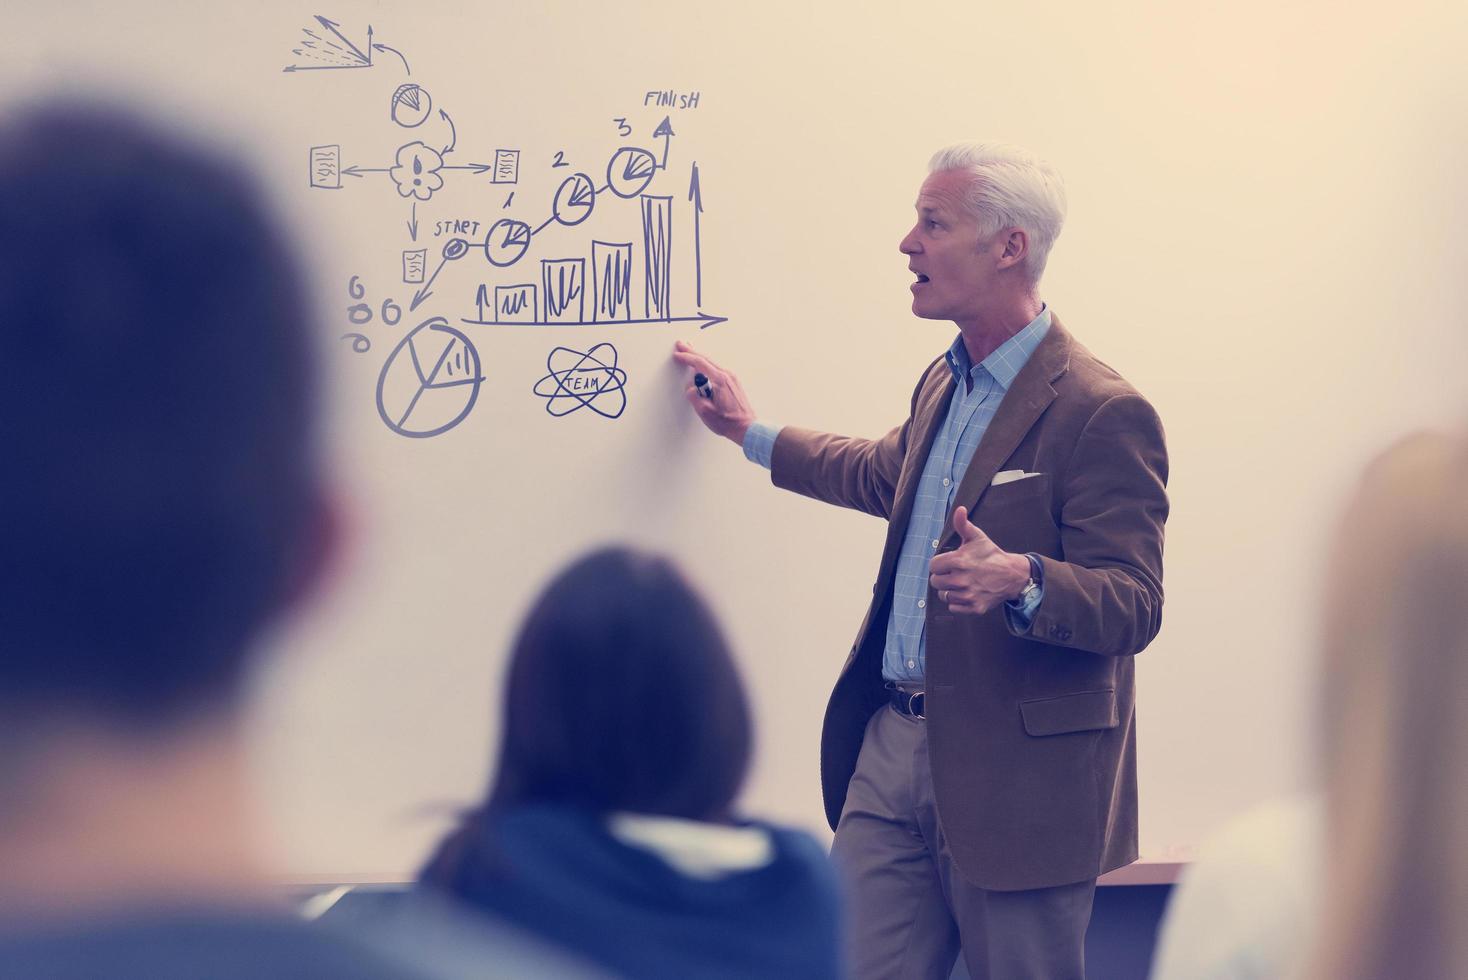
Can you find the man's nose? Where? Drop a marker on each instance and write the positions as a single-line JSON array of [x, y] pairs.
[[908, 245]]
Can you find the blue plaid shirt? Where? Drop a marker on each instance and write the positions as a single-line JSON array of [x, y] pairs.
[[969, 414]]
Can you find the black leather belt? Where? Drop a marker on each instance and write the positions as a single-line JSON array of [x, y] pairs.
[[911, 703]]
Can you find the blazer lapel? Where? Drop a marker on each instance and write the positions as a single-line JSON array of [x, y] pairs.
[[1022, 407], [932, 409]]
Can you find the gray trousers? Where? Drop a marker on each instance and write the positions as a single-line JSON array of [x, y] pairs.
[[911, 909]]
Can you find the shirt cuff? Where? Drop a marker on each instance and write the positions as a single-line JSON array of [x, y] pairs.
[[759, 443]]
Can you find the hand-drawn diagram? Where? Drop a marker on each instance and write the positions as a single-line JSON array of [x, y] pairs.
[[561, 298], [418, 403], [506, 241], [535, 271], [417, 171], [411, 105], [417, 165], [360, 313], [584, 379], [507, 168], [415, 260], [330, 49]]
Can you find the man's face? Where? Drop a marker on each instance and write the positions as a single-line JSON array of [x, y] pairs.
[[954, 268]]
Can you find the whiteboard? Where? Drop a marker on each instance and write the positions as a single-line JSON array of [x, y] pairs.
[[1265, 237]]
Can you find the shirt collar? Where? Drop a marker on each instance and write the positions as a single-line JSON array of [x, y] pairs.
[[1005, 361]]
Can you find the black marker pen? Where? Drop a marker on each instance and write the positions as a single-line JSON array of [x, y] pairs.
[[702, 384]]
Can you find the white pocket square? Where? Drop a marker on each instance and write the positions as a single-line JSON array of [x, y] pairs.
[[1009, 476]]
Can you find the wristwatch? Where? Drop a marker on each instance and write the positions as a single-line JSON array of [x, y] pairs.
[[1036, 582]]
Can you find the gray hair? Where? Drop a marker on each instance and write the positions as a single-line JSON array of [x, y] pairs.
[[1011, 187]]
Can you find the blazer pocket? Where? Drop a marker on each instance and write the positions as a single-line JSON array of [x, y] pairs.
[[1027, 489], [1082, 712]]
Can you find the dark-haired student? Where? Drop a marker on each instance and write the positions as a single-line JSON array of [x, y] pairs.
[[163, 504], [611, 828]]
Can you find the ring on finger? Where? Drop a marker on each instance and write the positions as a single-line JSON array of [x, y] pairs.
[[943, 595]]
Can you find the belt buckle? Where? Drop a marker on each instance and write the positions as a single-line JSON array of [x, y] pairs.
[[916, 702]]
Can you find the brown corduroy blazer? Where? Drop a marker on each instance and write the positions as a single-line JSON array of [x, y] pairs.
[[1031, 737]]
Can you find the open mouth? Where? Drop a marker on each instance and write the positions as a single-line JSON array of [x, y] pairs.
[[921, 278]]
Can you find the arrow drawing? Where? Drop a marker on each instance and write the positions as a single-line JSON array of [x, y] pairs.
[[332, 26], [413, 223], [453, 249], [453, 134], [294, 68], [478, 168], [695, 194], [384, 47], [424, 292], [318, 47], [665, 130], [705, 320]]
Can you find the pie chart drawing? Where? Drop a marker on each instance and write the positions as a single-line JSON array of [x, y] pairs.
[[630, 170], [429, 382], [411, 105], [574, 200], [506, 240]]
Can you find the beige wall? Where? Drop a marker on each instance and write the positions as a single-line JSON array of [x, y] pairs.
[[1265, 235]]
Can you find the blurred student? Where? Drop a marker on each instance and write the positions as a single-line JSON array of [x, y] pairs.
[[1395, 724], [611, 828], [1370, 879], [163, 505]]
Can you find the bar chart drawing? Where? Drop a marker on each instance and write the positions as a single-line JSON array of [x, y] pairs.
[[515, 304], [611, 273], [657, 245], [563, 284], [613, 266]]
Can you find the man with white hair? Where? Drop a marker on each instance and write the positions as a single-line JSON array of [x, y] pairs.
[[977, 760]]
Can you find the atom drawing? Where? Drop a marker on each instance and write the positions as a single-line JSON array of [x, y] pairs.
[[583, 379]]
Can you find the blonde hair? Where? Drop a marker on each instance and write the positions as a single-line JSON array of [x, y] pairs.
[[1394, 725]]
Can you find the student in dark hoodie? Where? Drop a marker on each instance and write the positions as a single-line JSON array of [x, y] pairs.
[[164, 506], [610, 828]]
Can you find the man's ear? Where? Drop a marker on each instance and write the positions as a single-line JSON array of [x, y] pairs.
[[1015, 247]]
